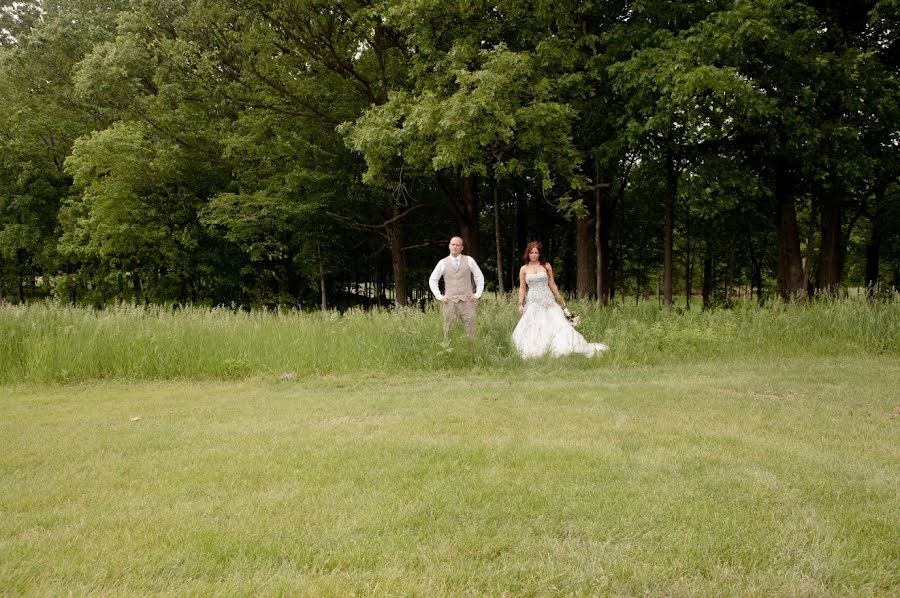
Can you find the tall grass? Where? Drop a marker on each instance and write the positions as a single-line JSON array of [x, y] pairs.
[[49, 342]]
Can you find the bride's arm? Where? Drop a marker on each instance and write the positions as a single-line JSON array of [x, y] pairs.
[[522, 288], [553, 288]]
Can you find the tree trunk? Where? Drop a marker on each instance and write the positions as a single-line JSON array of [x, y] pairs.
[[810, 241], [729, 276], [498, 240], [659, 294], [829, 273], [138, 288], [755, 269], [707, 280], [758, 283], [462, 198], [601, 240], [688, 262], [522, 237], [291, 281], [321, 276], [668, 227], [790, 271], [873, 253], [398, 266], [586, 258]]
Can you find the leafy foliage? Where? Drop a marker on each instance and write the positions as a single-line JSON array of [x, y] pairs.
[[261, 152]]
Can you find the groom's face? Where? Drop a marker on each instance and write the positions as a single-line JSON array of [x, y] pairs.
[[456, 246]]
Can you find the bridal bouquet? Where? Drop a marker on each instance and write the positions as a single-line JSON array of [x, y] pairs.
[[573, 319]]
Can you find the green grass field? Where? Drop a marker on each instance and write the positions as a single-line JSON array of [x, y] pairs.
[[778, 477], [146, 451]]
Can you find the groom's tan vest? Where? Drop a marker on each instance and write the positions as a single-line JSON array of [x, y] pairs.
[[458, 284]]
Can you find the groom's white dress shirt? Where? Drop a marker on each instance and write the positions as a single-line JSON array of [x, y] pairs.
[[439, 272]]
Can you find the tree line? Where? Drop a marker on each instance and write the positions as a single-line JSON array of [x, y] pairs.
[[312, 153]]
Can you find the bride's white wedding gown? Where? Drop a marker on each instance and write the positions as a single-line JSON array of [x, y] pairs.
[[544, 328]]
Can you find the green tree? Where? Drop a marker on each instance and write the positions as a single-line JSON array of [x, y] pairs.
[[42, 117], [501, 121], [681, 109]]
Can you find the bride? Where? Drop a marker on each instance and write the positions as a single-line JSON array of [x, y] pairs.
[[543, 327]]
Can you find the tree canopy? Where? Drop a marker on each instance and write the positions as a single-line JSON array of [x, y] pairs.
[[316, 154]]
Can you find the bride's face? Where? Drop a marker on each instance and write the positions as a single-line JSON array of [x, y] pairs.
[[534, 255]]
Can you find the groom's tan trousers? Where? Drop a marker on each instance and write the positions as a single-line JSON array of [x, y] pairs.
[[463, 310]]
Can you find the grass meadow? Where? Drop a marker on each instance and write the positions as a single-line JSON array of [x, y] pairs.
[[748, 451], [49, 343]]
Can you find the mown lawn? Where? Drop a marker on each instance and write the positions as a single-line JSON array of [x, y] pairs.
[[771, 477]]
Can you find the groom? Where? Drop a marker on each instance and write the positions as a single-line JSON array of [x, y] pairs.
[[459, 271]]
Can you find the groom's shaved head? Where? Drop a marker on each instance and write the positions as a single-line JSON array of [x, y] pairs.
[[456, 246]]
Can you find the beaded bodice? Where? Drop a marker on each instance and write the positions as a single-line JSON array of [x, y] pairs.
[[538, 289]]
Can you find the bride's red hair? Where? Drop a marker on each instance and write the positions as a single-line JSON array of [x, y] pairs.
[[534, 244]]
